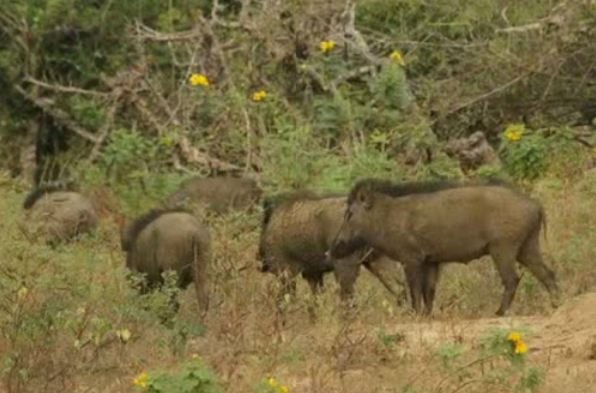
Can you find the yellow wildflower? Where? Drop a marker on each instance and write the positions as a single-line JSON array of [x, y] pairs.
[[283, 389], [141, 380], [22, 292], [520, 347], [199, 80], [397, 57], [271, 382], [123, 334], [514, 132], [327, 46], [514, 336], [259, 95]]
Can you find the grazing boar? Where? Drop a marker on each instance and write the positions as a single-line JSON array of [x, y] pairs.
[[296, 233], [423, 225], [219, 194], [164, 240], [58, 215]]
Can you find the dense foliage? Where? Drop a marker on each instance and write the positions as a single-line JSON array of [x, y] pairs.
[[362, 87]]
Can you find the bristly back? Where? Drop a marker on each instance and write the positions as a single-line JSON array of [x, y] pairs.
[[408, 188], [273, 202], [39, 192], [136, 227]]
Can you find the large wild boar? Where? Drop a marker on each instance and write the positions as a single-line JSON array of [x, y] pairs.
[[296, 233], [58, 215], [219, 194], [425, 225], [171, 239]]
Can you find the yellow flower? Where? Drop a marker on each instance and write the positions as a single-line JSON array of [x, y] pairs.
[[259, 95], [514, 336], [397, 57], [141, 380], [123, 334], [271, 382], [514, 132], [520, 347], [327, 46], [283, 389], [199, 80], [22, 292]]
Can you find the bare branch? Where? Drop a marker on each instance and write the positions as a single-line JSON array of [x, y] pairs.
[[489, 94], [58, 114], [104, 130], [521, 29], [193, 155], [65, 89], [147, 33]]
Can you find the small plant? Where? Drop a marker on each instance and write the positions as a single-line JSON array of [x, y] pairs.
[[388, 339], [192, 377], [524, 153], [509, 345], [271, 385]]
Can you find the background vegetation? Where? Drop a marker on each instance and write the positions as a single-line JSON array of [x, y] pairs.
[[101, 92]]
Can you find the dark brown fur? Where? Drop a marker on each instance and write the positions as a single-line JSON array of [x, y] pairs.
[[298, 230], [219, 194], [132, 229], [58, 215], [171, 239], [37, 193], [408, 188], [426, 225]]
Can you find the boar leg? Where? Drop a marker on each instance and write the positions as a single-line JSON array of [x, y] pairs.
[[315, 282], [392, 284], [504, 260], [531, 258], [415, 276], [346, 273], [429, 284], [288, 285]]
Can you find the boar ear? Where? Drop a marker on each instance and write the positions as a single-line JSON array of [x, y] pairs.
[[365, 197]]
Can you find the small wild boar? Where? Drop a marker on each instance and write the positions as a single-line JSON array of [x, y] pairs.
[[58, 215], [171, 239], [423, 225], [296, 233], [219, 194]]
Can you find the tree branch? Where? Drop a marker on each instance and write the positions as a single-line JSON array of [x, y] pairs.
[[64, 89], [57, 114]]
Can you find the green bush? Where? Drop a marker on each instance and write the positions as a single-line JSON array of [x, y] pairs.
[[190, 377]]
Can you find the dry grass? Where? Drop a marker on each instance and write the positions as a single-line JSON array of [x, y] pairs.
[[378, 347]]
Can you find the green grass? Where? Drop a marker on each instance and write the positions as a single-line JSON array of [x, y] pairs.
[[63, 309]]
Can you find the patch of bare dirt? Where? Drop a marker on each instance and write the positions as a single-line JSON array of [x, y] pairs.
[[564, 343]]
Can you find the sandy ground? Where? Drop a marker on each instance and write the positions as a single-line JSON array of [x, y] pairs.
[[564, 343]]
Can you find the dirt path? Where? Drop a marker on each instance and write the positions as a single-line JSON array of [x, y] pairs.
[[563, 343]]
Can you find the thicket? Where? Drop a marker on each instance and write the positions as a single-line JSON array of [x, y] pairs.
[[108, 83]]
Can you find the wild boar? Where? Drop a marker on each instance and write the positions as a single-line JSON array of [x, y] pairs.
[[423, 225], [58, 215], [297, 231], [219, 194], [169, 239]]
